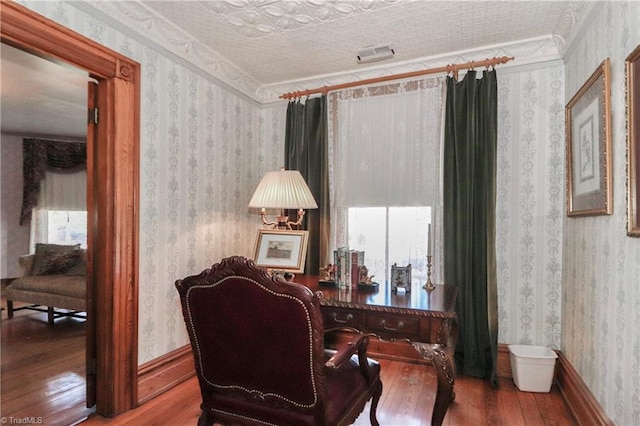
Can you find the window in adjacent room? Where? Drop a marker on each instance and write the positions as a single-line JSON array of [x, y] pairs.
[[61, 214], [67, 227]]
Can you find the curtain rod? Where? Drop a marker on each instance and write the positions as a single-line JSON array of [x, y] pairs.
[[451, 68]]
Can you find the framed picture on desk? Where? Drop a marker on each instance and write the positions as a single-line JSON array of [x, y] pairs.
[[400, 278], [281, 250]]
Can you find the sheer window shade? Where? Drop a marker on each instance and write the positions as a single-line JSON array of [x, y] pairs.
[[58, 191], [63, 191], [386, 144], [385, 150]]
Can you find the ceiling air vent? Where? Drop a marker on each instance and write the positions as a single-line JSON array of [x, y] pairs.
[[375, 54]]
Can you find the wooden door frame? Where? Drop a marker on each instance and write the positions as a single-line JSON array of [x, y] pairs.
[[113, 191]]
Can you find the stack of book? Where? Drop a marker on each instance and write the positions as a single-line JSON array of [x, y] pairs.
[[347, 266]]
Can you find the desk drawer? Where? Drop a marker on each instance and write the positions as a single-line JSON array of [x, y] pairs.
[[398, 326], [342, 318]]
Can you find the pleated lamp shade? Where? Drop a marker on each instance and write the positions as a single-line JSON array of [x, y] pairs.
[[283, 189]]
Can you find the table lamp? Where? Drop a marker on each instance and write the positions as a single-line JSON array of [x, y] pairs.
[[283, 189]]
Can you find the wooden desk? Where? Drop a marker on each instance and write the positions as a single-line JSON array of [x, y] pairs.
[[409, 326]]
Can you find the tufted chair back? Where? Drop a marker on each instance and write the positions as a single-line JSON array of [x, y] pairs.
[[258, 347]]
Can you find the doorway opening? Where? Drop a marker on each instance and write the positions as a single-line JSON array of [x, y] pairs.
[[112, 200]]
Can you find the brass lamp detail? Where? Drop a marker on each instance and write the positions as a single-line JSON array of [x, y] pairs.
[[283, 189]]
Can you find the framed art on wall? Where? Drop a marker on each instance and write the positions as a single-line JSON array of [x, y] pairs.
[[588, 131], [281, 250], [633, 142]]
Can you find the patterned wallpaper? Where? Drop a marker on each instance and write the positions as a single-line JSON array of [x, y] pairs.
[[530, 204], [203, 151], [14, 239], [601, 274], [565, 283]]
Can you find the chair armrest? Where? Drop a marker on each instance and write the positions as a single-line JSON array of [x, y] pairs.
[[26, 262], [345, 352], [441, 358]]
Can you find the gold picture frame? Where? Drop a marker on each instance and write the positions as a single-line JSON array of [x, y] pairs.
[[281, 250], [588, 139], [633, 142]]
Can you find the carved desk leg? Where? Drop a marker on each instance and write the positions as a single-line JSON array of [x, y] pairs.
[[445, 372]]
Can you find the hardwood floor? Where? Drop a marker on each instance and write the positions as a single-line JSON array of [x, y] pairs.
[[43, 377], [407, 400]]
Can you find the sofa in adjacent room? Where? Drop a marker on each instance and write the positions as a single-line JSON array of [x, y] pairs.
[[54, 279]]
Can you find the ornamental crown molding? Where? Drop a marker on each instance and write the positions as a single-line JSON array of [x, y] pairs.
[[572, 22], [135, 19], [525, 52]]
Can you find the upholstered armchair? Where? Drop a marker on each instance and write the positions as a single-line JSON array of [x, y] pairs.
[[258, 346]]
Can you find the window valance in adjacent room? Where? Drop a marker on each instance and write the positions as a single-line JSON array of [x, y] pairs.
[[40, 156]]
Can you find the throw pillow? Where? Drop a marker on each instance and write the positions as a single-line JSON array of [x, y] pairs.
[[79, 268], [59, 262], [45, 250]]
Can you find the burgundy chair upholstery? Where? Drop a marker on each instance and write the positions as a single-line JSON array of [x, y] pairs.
[[258, 346]]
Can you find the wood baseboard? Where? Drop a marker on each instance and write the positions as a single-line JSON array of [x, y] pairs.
[[582, 404], [503, 368], [165, 372]]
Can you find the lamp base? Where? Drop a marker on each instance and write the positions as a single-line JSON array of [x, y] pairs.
[[282, 221]]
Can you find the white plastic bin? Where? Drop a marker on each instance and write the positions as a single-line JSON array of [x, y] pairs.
[[532, 367]]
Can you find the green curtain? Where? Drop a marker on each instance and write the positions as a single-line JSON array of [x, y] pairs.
[[306, 150], [469, 187]]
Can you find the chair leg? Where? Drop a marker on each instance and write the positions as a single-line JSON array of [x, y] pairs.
[[9, 308], [374, 404]]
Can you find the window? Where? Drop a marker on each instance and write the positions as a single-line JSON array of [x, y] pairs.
[[391, 235], [67, 227], [61, 214], [384, 173]]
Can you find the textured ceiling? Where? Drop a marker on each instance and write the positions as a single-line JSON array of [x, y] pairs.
[[263, 48], [280, 43], [277, 41]]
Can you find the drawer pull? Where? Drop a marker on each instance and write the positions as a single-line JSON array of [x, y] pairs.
[[340, 321], [383, 323]]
